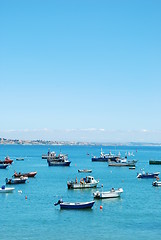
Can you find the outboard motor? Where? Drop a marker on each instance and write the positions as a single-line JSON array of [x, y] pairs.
[[59, 201]]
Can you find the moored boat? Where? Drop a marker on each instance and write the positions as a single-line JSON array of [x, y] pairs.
[[156, 162], [4, 189], [63, 163], [109, 194], [75, 205], [19, 159], [84, 170], [7, 160], [105, 157], [28, 174], [87, 182], [122, 163], [147, 175], [16, 180], [57, 160]]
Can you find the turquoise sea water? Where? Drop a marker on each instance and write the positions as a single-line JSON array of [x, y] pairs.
[[136, 215]]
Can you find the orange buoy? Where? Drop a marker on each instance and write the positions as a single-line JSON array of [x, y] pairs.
[[25, 197], [101, 207]]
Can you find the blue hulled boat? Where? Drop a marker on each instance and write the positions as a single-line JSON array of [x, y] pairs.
[[105, 157], [16, 180], [76, 205], [148, 175]]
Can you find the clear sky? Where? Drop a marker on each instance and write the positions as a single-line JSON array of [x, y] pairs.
[[83, 70]]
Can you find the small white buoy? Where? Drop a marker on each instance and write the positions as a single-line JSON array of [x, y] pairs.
[[19, 191]]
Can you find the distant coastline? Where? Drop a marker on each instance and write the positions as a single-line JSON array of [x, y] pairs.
[[4, 141]]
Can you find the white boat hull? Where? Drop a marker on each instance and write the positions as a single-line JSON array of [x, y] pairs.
[[108, 194], [6, 190], [83, 185]]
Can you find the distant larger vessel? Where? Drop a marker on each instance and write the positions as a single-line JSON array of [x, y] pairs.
[[122, 163], [60, 162], [105, 157], [57, 160]]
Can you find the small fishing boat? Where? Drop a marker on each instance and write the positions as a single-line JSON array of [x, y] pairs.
[[84, 170], [109, 194], [147, 175], [16, 180], [3, 165], [62, 162], [75, 205], [28, 174], [156, 162], [87, 182], [20, 159], [8, 160], [4, 189]]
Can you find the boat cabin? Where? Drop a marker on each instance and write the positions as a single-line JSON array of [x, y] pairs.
[[89, 179]]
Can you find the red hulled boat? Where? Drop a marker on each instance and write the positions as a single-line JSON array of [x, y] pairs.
[[29, 174]]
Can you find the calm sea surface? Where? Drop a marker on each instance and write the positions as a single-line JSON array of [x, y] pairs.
[[136, 215]]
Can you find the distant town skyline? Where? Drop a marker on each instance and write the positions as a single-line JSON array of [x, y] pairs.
[[85, 135], [81, 70]]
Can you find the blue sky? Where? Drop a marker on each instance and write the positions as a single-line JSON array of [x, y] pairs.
[[80, 70]]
